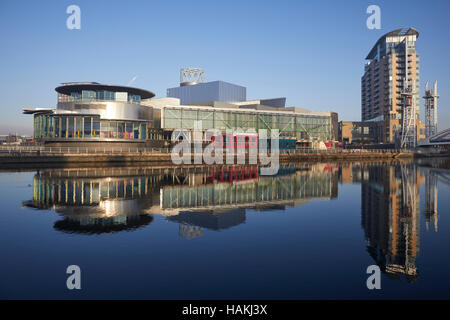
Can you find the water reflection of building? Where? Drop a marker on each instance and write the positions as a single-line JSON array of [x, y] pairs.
[[434, 169], [93, 202], [193, 223], [288, 188], [390, 217], [220, 201], [431, 193], [113, 199]]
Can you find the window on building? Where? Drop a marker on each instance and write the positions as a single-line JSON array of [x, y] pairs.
[[113, 129], [87, 127], [75, 96], [142, 131], [63, 127], [71, 127], [88, 95], [78, 127], [104, 128], [120, 130], [128, 130], [95, 127], [57, 127]]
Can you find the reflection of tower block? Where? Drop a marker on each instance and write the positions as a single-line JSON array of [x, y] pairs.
[[407, 243], [189, 231], [431, 213], [431, 97], [409, 127]]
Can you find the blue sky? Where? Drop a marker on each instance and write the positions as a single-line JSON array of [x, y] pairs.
[[311, 52]]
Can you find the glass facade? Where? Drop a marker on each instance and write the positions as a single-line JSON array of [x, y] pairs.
[[300, 126], [303, 127], [87, 127], [90, 95]]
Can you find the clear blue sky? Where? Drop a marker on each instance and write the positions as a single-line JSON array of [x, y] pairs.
[[311, 52]]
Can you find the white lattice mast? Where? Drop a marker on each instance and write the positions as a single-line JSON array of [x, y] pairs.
[[431, 97], [408, 136]]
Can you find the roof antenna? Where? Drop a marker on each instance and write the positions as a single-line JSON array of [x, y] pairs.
[[132, 80]]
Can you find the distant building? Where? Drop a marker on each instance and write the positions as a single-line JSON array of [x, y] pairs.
[[392, 67], [360, 133], [12, 139]]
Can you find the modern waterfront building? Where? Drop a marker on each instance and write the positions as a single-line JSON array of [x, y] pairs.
[[310, 129], [391, 72], [90, 113]]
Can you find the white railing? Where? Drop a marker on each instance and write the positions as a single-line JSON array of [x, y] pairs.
[[78, 150], [14, 149]]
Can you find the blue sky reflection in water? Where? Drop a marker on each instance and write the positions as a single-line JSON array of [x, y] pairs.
[[309, 232]]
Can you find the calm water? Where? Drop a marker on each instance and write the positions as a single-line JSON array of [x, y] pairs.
[[309, 232]]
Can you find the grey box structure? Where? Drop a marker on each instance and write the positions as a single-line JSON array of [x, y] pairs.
[[209, 91]]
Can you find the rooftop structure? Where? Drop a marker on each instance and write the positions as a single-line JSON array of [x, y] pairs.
[[191, 76], [208, 91], [388, 42], [97, 91]]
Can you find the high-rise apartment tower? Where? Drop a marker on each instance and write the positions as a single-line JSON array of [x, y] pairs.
[[392, 69]]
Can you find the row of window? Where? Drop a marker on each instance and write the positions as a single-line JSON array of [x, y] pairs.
[[105, 95], [86, 127]]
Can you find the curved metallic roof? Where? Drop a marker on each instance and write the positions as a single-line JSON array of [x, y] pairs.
[[395, 33], [69, 87]]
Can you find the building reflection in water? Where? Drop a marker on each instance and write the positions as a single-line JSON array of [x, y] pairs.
[[390, 212], [431, 193], [95, 201], [390, 217], [109, 200], [92, 202]]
